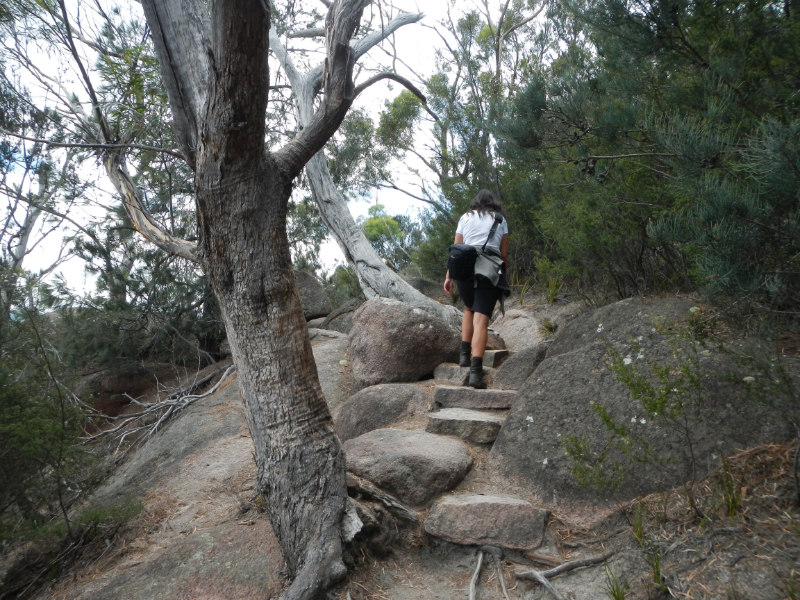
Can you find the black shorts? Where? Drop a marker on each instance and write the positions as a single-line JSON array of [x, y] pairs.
[[480, 299]]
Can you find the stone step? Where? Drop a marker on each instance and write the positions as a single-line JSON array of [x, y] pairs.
[[478, 519], [494, 358], [451, 373], [448, 396], [472, 426]]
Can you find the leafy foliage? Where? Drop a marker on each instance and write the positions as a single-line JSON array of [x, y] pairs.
[[391, 236], [44, 468]]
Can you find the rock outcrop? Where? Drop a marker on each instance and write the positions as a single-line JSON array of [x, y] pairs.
[[560, 406], [378, 406], [313, 298]]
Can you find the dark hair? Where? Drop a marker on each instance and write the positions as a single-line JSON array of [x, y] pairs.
[[484, 201]]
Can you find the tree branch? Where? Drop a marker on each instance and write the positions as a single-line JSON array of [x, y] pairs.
[[142, 220], [620, 156], [181, 39], [97, 146], [402, 81], [543, 576], [307, 33], [337, 83]]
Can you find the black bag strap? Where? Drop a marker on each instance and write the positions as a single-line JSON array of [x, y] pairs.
[[498, 218]]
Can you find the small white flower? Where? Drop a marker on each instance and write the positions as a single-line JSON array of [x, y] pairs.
[[694, 309], [640, 356], [749, 379], [544, 462], [529, 419], [633, 419], [600, 328], [627, 360], [643, 421]]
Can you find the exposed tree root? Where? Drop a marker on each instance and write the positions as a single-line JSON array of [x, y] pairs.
[[543, 576], [474, 581], [357, 485], [322, 569]]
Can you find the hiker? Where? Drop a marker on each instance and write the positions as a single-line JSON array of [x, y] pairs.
[[478, 293]]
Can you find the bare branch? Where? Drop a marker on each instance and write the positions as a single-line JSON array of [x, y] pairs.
[[402, 81], [621, 156], [543, 576], [87, 82], [337, 82], [368, 42], [307, 33], [147, 421], [98, 146]]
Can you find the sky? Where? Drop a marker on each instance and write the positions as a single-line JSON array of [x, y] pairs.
[[416, 45]]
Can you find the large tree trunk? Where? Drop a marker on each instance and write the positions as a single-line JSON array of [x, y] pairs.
[[242, 194], [242, 197], [300, 460]]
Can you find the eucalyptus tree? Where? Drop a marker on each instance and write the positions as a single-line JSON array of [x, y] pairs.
[[214, 65], [375, 277]]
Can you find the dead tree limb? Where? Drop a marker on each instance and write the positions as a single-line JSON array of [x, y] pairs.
[[143, 424], [543, 576]]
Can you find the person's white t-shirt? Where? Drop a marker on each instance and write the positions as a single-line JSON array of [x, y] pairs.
[[475, 227]]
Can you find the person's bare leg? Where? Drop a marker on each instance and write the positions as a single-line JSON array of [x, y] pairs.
[[480, 333], [467, 326]]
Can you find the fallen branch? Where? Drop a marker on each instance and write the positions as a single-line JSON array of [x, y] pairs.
[[543, 576], [539, 576], [142, 425]]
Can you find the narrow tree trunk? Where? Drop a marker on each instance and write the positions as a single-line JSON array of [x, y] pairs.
[[375, 277], [300, 460]]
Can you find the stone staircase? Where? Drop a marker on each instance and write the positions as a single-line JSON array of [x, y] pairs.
[[478, 516], [435, 468], [475, 416]]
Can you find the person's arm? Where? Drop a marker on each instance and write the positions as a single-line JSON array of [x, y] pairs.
[[448, 283]]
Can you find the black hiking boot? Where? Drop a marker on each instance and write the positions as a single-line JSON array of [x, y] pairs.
[[476, 374], [465, 355]]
